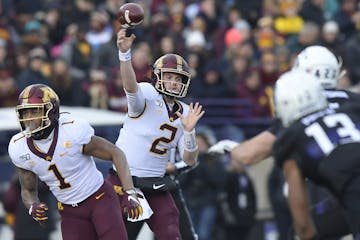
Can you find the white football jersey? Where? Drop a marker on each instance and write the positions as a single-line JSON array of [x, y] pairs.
[[148, 138], [71, 176]]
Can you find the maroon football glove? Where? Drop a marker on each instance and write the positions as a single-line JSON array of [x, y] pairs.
[[131, 204], [38, 212]]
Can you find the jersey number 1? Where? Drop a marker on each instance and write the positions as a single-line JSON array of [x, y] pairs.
[[58, 175]]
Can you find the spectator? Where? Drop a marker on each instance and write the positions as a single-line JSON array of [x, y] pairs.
[[34, 34], [68, 87], [78, 11], [283, 59], [312, 11], [54, 23], [117, 96], [77, 51], [269, 69], [277, 191], [309, 35], [211, 84], [7, 59], [8, 89], [348, 17], [238, 206], [103, 57], [253, 90], [352, 51], [167, 45], [98, 90], [236, 72], [202, 187], [289, 21], [100, 31], [250, 10], [331, 39], [35, 72], [141, 61], [266, 38], [195, 42]]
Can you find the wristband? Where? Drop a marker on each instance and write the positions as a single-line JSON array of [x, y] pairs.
[[125, 56], [190, 141]]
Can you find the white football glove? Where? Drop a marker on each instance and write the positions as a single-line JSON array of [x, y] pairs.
[[223, 146]]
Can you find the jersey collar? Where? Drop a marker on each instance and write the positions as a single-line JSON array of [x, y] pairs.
[[35, 150]]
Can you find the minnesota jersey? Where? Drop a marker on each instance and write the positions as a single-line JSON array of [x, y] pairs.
[[326, 146], [58, 161], [336, 98], [148, 138]]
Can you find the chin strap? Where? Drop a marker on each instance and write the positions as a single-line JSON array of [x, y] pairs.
[[43, 133]]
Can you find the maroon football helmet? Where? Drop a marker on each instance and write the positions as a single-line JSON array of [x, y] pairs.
[[43, 99], [175, 64]]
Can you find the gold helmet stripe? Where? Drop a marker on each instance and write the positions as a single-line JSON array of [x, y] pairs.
[[25, 96], [159, 63], [179, 65], [48, 94]]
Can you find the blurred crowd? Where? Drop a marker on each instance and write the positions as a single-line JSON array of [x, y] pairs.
[[236, 49]]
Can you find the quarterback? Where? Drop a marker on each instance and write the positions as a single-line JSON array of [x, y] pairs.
[[157, 121], [58, 150]]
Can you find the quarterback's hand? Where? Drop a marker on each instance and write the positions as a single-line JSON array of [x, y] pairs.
[[192, 118], [124, 43], [38, 212], [132, 204], [223, 146]]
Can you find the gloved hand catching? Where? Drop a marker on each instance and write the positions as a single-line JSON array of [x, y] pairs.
[[38, 213], [223, 146], [131, 205]]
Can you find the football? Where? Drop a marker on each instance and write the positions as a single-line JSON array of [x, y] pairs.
[[130, 15]]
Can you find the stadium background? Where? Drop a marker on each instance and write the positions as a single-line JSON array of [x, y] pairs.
[[236, 50]]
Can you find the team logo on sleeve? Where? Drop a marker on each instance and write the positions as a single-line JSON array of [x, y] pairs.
[[158, 103], [67, 144], [25, 157]]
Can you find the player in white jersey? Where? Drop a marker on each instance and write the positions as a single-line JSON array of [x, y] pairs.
[[157, 121], [59, 151]]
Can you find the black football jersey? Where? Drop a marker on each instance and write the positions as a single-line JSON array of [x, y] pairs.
[[325, 144], [336, 98]]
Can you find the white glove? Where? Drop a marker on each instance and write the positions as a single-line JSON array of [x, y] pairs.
[[223, 146]]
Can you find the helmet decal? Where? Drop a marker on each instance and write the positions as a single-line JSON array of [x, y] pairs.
[[48, 94]]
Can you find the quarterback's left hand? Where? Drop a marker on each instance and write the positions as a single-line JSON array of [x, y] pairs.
[[132, 204], [195, 113]]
